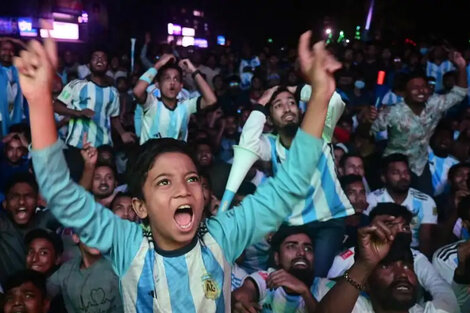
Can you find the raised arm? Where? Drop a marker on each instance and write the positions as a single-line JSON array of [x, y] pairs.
[[264, 212], [140, 89], [208, 96], [90, 156], [70, 204]]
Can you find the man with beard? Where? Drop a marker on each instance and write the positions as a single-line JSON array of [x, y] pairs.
[[14, 159], [91, 104], [11, 98], [397, 179], [439, 159], [384, 270], [165, 116], [452, 261], [410, 124], [103, 184], [286, 288], [327, 202]]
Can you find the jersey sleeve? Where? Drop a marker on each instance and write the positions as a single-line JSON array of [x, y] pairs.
[[259, 278], [429, 212], [66, 95], [431, 281], [75, 208], [263, 212], [252, 137], [192, 105], [115, 104], [149, 101], [335, 110]]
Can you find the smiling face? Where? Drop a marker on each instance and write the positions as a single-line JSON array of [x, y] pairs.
[[173, 200], [417, 91], [103, 183], [295, 254], [41, 256]]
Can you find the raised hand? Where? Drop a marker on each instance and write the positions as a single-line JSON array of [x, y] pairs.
[[164, 59], [36, 67], [317, 65], [267, 94], [187, 66], [374, 243], [457, 58], [88, 152]]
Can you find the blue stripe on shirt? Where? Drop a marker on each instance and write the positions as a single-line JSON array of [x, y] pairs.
[[176, 270], [146, 287], [99, 101], [217, 273]]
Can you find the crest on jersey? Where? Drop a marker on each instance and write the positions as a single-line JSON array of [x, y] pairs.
[[210, 287]]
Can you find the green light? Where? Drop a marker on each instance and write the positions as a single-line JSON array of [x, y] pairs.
[[358, 27], [270, 40], [341, 33]]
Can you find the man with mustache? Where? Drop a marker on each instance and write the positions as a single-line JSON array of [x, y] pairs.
[[382, 279], [287, 288], [396, 176], [104, 183]]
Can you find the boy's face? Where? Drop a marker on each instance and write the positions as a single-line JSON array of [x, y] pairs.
[[173, 200], [170, 83], [99, 62], [41, 256], [21, 201], [26, 298]]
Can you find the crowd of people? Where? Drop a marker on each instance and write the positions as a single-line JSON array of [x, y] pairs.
[[112, 176]]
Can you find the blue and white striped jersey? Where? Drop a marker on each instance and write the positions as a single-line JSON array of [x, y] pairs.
[[195, 278], [391, 98], [159, 121], [276, 300], [421, 205], [439, 168], [104, 100], [438, 71], [326, 199]]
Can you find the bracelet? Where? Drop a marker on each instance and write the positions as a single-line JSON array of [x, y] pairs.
[[352, 282], [149, 75], [193, 75]]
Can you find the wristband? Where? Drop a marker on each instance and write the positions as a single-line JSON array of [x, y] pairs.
[[149, 75], [352, 282], [193, 75]]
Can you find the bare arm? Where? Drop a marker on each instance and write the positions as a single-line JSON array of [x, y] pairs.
[[140, 89], [208, 96], [90, 156]]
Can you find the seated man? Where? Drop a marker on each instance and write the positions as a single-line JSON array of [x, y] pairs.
[[286, 288], [396, 175], [453, 260], [384, 270], [26, 292]]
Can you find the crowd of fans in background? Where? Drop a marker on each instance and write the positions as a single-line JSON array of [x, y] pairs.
[[400, 160]]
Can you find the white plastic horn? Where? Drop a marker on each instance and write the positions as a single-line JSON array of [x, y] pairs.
[[243, 160]]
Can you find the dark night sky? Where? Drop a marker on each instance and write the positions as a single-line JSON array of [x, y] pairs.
[[284, 20]]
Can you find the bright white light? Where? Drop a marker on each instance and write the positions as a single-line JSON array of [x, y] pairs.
[[61, 30], [174, 29], [328, 31], [347, 40], [187, 31], [187, 41]]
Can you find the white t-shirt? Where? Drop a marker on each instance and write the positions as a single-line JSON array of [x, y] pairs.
[[419, 204]]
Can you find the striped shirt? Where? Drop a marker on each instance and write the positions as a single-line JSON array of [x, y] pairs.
[[326, 199], [276, 300], [238, 276], [195, 278], [256, 257], [391, 98], [438, 71], [104, 100], [439, 168], [419, 204], [445, 261], [159, 121]]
